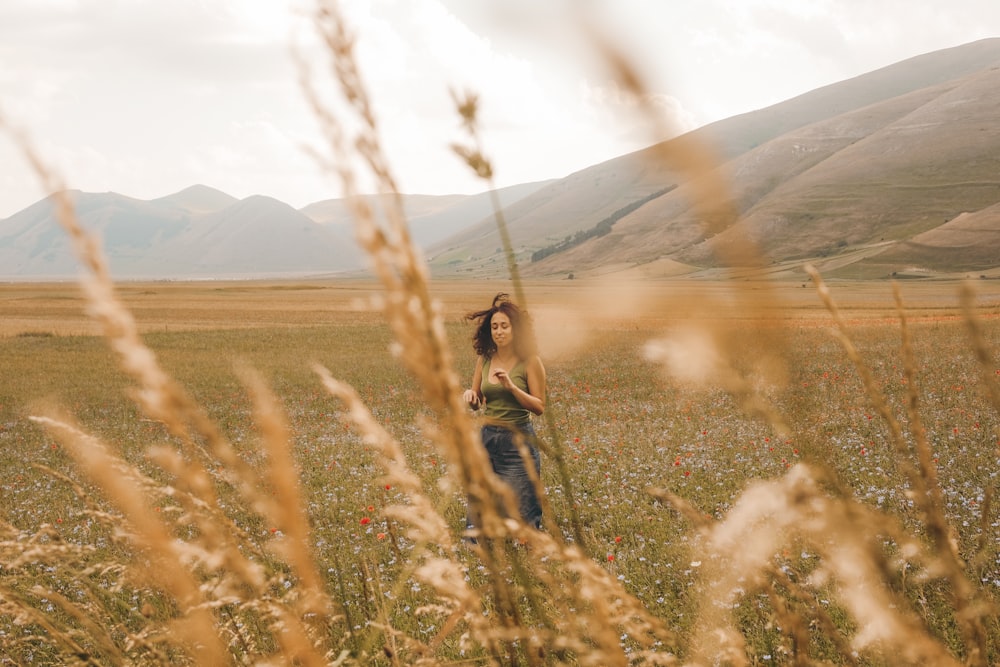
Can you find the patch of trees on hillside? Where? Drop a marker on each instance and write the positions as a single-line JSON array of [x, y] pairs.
[[600, 229]]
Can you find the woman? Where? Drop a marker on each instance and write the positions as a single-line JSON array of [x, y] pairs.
[[509, 384]]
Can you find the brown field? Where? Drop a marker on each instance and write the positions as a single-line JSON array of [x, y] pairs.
[[59, 308]]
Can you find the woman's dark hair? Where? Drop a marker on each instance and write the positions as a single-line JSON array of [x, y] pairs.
[[520, 322]]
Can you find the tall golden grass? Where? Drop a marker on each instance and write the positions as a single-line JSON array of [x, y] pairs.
[[215, 595]]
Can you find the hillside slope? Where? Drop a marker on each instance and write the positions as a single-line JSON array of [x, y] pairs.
[[908, 176], [882, 157]]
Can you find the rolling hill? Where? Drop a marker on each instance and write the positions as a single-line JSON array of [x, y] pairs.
[[875, 163], [892, 173]]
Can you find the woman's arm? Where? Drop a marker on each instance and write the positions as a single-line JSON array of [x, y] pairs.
[[474, 396], [532, 400]]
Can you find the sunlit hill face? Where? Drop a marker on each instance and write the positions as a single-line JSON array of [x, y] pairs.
[[503, 332]]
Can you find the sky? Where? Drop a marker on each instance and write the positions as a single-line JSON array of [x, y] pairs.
[[147, 97]]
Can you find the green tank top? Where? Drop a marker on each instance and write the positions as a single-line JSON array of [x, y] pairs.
[[500, 402]]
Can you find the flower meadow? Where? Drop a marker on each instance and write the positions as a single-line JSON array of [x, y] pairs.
[[624, 430]]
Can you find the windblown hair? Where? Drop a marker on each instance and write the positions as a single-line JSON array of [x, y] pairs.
[[525, 343]]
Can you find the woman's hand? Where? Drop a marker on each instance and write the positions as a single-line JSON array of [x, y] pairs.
[[500, 376], [472, 398]]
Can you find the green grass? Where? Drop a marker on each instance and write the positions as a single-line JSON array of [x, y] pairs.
[[623, 427]]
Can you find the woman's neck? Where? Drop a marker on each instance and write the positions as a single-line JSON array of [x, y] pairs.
[[506, 355]]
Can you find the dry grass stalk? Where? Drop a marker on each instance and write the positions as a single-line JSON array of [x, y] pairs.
[[773, 516], [981, 349], [286, 511], [896, 437], [304, 624], [168, 556], [415, 318], [207, 573], [770, 516], [991, 385], [600, 607], [158, 394], [434, 560], [782, 592], [165, 401], [20, 554], [969, 610], [747, 364], [467, 106], [472, 153], [428, 526], [93, 615]]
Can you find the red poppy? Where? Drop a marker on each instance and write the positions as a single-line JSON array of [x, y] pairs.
[[365, 521]]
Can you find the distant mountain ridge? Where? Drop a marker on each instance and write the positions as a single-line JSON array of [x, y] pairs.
[[197, 233], [198, 199], [892, 173], [203, 233]]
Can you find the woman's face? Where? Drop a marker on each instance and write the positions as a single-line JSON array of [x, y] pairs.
[[500, 327]]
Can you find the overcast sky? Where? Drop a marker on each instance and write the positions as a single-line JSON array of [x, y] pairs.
[[147, 97]]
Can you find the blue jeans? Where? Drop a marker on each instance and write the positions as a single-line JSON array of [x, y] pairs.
[[508, 465]]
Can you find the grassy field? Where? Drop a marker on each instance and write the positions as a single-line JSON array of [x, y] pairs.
[[617, 427]]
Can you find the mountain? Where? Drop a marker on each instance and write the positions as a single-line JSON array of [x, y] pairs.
[[33, 245], [204, 233], [862, 170], [197, 199], [197, 233], [892, 173], [257, 236]]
